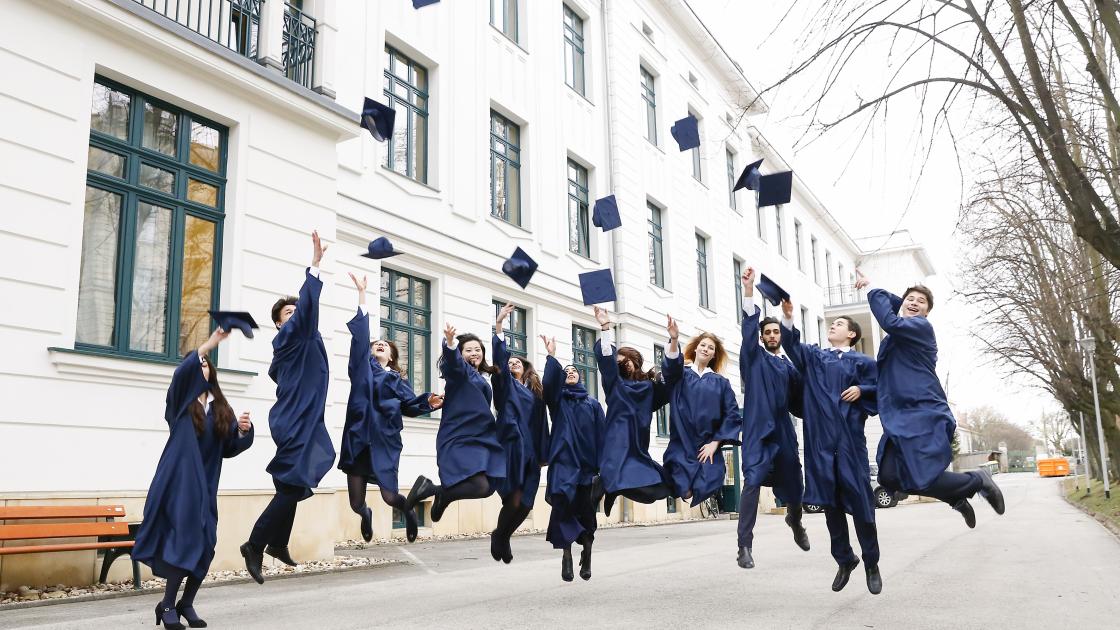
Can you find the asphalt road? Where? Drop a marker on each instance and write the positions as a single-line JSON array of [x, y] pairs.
[[1043, 564]]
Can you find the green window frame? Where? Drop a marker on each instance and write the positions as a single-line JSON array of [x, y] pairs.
[[663, 412], [697, 166], [573, 51], [406, 91], [797, 244], [778, 233], [731, 198], [152, 228], [583, 358], [406, 316], [515, 331], [399, 521], [816, 265], [737, 288], [503, 16], [649, 97], [671, 505], [656, 247], [702, 270], [579, 226], [505, 169]]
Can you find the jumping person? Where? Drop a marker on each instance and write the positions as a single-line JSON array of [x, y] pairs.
[[371, 438], [470, 458], [523, 429], [918, 425], [838, 396], [770, 453], [573, 462], [625, 465], [304, 452], [180, 527]]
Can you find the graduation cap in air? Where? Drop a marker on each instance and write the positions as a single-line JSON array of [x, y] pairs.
[[520, 267], [771, 291], [379, 248], [597, 286], [774, 190], [686, 132], [228, 320], [605, 215], [749, 178], [378, 119], [416, 4]]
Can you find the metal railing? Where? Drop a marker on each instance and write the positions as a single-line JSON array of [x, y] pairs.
[[839, 294], [234, 24], [299, 46]]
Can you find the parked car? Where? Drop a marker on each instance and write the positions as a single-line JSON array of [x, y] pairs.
[[883, 498]]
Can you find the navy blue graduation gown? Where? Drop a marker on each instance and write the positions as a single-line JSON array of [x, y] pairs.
[[379, 400], [703, 409], [467, 440], [522, 429], [769, 383], [913, 408], [304, 452], [624, 460], [180, 527], [577, 433], [837, 469]]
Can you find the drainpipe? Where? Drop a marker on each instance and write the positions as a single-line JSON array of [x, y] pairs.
[[608, 103]]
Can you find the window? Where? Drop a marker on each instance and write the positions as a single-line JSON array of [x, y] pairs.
[[697, 170], [737, 288], [503, 16], [702, 269], [797, 243], [152, 228], [573, 51], [813, 251], [656, 253], [840, 274], [820, 331], [758, 222], [827, 267], [778, 236], [505, 169], [406, 90], [406, 313], [805, 322], [583, 358], [731, 180], [515, 332], [649, 96], [663, 412], [400, 523], [671, 505], [579, 231]]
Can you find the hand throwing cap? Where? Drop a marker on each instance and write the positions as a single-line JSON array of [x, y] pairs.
[[228, 320]]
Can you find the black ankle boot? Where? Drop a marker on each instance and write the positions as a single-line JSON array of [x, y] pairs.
[[168, 617], [253, 561], [744, 559], [411, 525], [367, 524], [281, 554], [188, 613], [566, 572], [965, 508], [842, 574], [585, 562], [496, 544]]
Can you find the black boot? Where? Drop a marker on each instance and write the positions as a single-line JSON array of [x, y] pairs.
[[990, 491], [496, 551], [281, 554], [745, 560], [367, 524], [585, 561], [842, 575], [188, 613], [421, 489], [874, 580], [411, 525], [800, 536], [520, 513], [566, 566], [170, 618], [253, 561], [965, 508], [608, 503]]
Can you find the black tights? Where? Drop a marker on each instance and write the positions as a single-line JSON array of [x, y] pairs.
[[172, 589], [356, 488], [477, 486], [512, 515]]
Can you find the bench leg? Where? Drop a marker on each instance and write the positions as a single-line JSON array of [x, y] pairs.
[[110, 556], [135, 574]]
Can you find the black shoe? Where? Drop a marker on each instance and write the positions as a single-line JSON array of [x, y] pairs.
[[496, 551], [874, 580], [585, 562], [281, 554], [367, 524], [411, 525], [253, 561], [990, 491], [188, 613], [965, 508], [842, 575], [566, 566], [437, 506], [421, 489], [800, 536], [168, 617], [608, 503], [745, 560]]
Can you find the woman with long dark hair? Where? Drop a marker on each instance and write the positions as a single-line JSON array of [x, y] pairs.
[[469, 456], [371, 438], [180, 527], [523, 430]]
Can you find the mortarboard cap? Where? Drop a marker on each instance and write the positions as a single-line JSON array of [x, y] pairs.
[[228, 320], [749, 178], [379, 248], [686, 132], [605, 215], [597, 286], [378, 119], [416, 4], [520, 267], [771, 291], [774, 190]]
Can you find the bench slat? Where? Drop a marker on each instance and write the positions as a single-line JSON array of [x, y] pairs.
[[62, 530], [7, 551], [16, 512]]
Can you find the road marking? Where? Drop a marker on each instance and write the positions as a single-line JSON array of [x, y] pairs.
[[418, 561]]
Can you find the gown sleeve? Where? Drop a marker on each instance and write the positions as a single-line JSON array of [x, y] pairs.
[[797, 352], [236, 443], [553, 380], [358, 368], [306, 317], [187, 384], [412, 404], [884, 306], [731, 421], [539, 428], [608, 367], [749, 350], [502, 382], [452, 366], [868, 374], [672, 371]]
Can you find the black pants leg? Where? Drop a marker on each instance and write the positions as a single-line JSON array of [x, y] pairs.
[[949, 487], [868, 537], [841, 546], [748, 515], [274, 526], [585, 513]]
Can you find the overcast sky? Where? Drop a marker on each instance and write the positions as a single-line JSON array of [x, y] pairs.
[[872, 186]]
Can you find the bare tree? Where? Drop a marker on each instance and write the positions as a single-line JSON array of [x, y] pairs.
[[1054, 428], [993, 428]]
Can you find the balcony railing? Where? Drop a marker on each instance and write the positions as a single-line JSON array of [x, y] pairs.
[[234, 24], [299, 46], [840, 294]]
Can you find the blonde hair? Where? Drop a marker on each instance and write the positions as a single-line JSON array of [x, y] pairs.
[[716, 364]]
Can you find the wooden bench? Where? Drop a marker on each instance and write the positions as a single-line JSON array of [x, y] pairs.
[[115, 537]]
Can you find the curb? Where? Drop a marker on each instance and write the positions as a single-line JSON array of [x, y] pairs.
[[1109, 526]]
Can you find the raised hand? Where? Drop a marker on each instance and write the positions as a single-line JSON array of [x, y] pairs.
[[320, 249], [549, 345], [216, 337], [449, 334], [244, 423], [861, 280], [671, 327], [499, 323], [603, 317], [787, 309], [360, 285], [748, 282]]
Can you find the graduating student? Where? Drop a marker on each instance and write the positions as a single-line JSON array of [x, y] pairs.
[[523, 429], [625, 466], [838, 395], [180, 527], [470, 458], [705, 416], [770, 453], [918, 425], [573, 462], [379, 399], [304, 452]]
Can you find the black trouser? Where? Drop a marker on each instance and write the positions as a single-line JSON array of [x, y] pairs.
[[950, 487], [274, 526], [841, 547]]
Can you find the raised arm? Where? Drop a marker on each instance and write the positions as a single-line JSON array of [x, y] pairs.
[[553, 381], [605, 352], [885, 305], [797, 352], [451, 365], [749, 351], [502, 382], [187, 382], [305, 321]]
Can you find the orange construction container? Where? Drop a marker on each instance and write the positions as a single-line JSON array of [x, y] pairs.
[[1055, 467]]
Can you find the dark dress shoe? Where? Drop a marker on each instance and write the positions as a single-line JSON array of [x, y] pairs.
[[842, 575], [990, 491], [507, 550], [585, 562], [745, 561], [421, 489], [168, 617], [800, 536], [566, 571], [495, 545], [608, 503], [965, 508], [874, 580], [367, 524], [188, 613], [411, 525], [281, 554], [253, 561], [437, 507]]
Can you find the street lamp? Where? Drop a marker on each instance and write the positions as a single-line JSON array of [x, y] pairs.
[[1083, 451], [1088, 344]]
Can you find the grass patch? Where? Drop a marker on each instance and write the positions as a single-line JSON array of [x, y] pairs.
[[1103, 509]]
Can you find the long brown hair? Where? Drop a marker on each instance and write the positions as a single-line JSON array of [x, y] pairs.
[[717, 360], [530, 378], [394, 355], [223, 413], [636, 374]]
